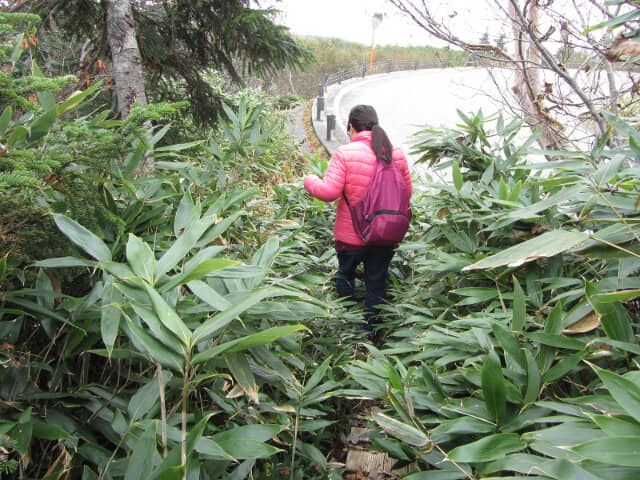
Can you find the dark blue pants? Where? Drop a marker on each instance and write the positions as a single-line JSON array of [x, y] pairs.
[[376, 262]]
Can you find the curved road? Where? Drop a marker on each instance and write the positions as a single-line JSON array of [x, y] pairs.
[[407, 102]]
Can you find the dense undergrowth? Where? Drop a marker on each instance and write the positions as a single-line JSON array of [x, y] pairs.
[[182, 323]]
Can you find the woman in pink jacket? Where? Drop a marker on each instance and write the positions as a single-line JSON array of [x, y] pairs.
[[349, 174]]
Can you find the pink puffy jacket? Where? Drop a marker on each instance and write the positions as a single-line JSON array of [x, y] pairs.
[[350, 171]]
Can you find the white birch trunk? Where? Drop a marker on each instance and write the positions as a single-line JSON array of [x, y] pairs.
[[125, 56]]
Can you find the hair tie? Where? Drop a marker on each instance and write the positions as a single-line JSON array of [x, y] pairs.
[[370, 125]]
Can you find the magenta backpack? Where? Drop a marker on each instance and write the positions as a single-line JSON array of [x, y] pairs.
[[382, 215]]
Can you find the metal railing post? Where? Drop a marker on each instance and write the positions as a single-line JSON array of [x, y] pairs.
[[331, 124], [319, 106]]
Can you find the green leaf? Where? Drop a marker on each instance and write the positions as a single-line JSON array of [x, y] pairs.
[[239, 367], [65, 262], [219, 228], [509, 344], [406, 433], [613, 318], [257, 432], [18, 135], [75, 99], [514, 195], [158, 330], [170, 473], [186, 214], [312, 453], [143, 456], [146, 397], [562, 368], [318, 374], [21, 435], [551, 202], [48, 431], [503, 191], [618, 426], [140, 257], [247, 441], [493, 387], [199, 271], [533, 379], [248, 449], [519, 307], [264, 337], [5, 118], [613, 450], [178, 147], [488, 448], [431, 381], [110, 315], [267, 253], [168, 316], [208, 295], [545, 245], [617, 296], [41, 125], [439, 475], [17, 49], [149, 345], [83, 238], [183, 245], [220, 320], [624, 391], [558, 341], [458, 180]]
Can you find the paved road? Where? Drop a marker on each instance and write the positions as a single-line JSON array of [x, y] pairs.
[[408, 101]]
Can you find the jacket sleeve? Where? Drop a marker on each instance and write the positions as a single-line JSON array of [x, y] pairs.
[[330, 187], [403, 165]]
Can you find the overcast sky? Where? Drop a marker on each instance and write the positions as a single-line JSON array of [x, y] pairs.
[[352, 20]]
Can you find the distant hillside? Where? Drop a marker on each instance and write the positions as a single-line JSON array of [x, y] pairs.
[[333, 54]]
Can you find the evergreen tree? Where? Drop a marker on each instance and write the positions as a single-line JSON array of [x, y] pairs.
[[180, 42]]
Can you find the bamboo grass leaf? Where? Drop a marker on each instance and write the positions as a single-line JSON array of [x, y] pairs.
[[519, 307], [264, 337], [493, 387], [401, 431], [488, 448], [533, 379], [238, 365], [222, 319], [625, 391], [509, 344], [545, 245], [83, 238], [140, 257], [157, 351], [208, 295], [613, 450], [143, 456], [183, 245], [458, 180], [159, 331], [110, 315], [615, 321], [168, 316]]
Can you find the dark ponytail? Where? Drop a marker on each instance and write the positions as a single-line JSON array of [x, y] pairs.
[[364, 117]]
